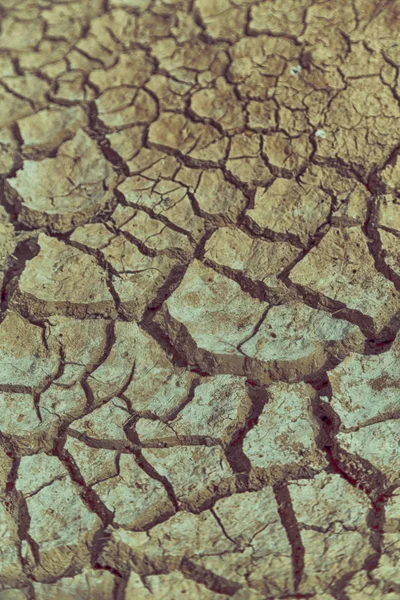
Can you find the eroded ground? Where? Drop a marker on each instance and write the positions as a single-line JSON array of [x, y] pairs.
[[200, 272]]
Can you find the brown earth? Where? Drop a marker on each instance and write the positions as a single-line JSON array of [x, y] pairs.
[[200, 277]]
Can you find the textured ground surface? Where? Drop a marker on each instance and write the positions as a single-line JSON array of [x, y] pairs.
[[200, 274]]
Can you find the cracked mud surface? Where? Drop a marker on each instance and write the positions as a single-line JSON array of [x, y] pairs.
[[200, 300]]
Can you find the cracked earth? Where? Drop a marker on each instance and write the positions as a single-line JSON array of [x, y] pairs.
[[200, 300]]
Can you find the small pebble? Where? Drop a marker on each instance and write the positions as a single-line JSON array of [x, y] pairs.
[[295, 70], [320, 133]]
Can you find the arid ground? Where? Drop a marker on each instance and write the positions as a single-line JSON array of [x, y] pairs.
[[200, 300]]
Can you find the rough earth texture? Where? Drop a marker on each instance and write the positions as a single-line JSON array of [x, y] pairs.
[[200, 299]]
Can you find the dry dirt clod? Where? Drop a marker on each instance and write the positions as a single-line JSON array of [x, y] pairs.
[[199, 300]]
